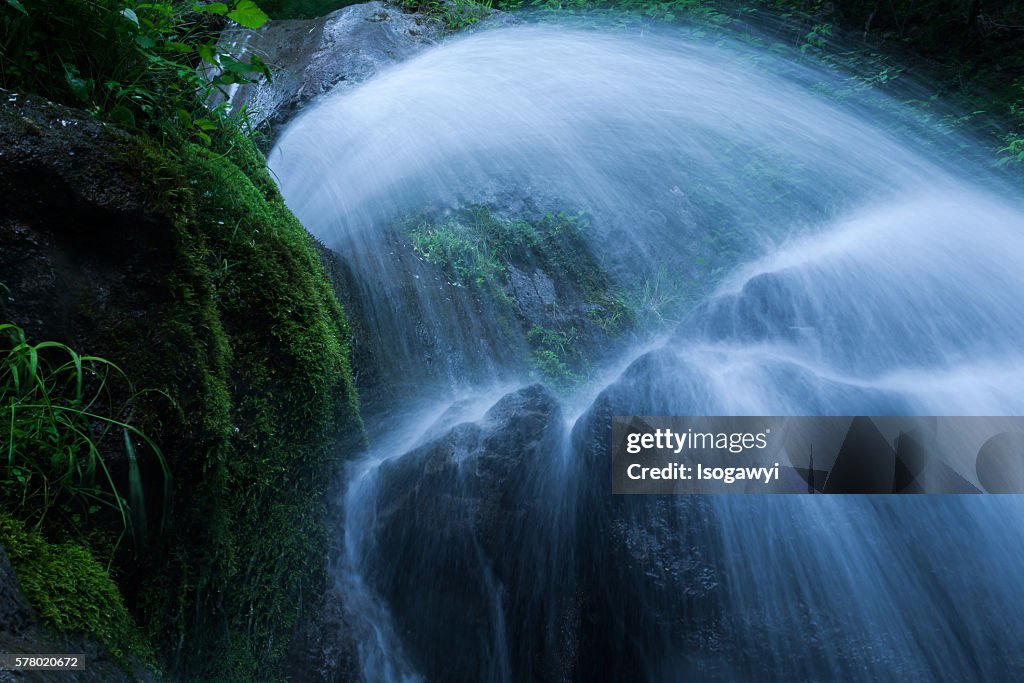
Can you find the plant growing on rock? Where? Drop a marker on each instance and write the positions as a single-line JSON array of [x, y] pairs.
[[455, 14], [60, 420], [146, 65], [556, 356]]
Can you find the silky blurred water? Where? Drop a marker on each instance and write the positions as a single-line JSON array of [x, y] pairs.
[[854, 272]]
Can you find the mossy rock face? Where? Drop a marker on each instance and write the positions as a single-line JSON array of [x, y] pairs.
[[540, 276], [72, 593], [181, 264]]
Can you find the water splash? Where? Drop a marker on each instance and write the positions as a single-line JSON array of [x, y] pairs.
[[862, 275]]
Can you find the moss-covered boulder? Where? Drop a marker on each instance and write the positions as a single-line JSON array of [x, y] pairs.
[[181, 264], [73, 594]]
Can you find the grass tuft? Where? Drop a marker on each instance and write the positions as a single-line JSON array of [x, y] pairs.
[[59, 408]]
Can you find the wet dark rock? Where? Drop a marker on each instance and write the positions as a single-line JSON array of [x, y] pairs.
[[534, 293], [310, 57], [769, 306], [20, 634], [403, 334], [83, 252], [80, 252], [80, 245], [323, 649], [15, 613], [652, 588], [456, 521], [464, 522]]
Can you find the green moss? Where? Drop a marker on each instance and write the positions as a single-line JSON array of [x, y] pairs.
[[229, 315], [71, 592], [253, 348], [475, 248]]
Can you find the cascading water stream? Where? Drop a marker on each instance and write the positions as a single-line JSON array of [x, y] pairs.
[[866, 275]]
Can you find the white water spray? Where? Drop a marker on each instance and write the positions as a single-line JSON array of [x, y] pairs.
[[867, 277]]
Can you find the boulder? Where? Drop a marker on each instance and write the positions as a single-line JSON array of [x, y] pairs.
[[16, 617], [462, 525], [646, 565], [309, 57], [502, 535]]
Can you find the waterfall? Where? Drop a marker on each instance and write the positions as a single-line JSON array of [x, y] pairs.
[[840, 256]]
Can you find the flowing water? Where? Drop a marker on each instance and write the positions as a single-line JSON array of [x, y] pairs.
[[847, 264]]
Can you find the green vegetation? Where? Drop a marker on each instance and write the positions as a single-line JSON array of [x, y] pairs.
[[72, 592], [455, 14], [63, 416], [557, 356], [234, 326], [474, 245], [476, 248], [458, 14], [1013, 151], [303, 9], [257, 360], [469, 247], [657, 302], [59, 409], [134, 63]]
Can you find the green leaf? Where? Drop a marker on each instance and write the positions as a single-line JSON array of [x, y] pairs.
[[145, 42], [128, 14], [214, 8], [18, 6], [122, 115], [79, 86], [247, 14], [259, 66], [236, 67], [184, 119], [208, 52]]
